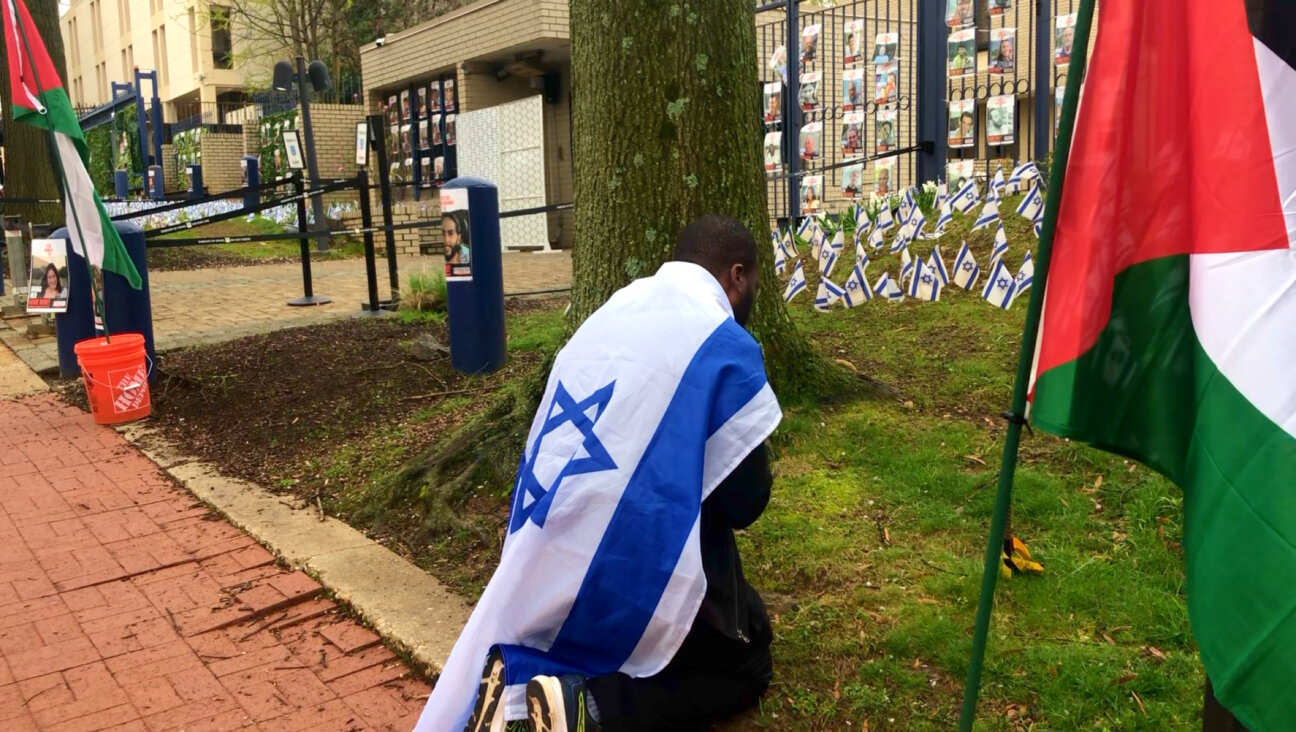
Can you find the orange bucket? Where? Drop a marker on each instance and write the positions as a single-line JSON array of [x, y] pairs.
[[116, 378]]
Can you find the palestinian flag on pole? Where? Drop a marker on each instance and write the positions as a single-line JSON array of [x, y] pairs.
[[39, 99], [1169, 321]]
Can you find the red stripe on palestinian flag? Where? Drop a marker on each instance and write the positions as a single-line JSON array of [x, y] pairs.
[[1171, 155], [1167, 332], [40, 100]]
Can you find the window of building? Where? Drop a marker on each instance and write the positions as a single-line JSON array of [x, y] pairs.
[[126, 74], [96, 20], [222, 43], [130, 62], [123, 16]]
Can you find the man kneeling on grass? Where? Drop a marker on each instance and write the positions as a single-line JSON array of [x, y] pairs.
[[619, 602]]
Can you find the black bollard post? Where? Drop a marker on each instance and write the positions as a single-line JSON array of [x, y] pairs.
[[378, 136], [309, 297], [371, 267]]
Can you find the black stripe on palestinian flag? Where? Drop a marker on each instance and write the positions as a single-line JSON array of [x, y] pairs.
[[1273, 23]]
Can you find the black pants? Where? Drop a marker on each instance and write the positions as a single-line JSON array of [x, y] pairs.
[[711, 679]]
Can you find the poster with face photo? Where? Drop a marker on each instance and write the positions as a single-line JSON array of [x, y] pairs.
[[958, 173], [405, 105], [810, 44], [1003, 51], [1001, 114], [962, 53], [1063, 37], [962, 123], [449, 129], [393, 109], [809, 92], [421, 104], [885, 84], [884, 173], [436, 129], [852, 181], [429, 175], [886, 48], [773, 151], [773, 103], [886, 130], [959, 13], [438, 168], [997, 7], [448, 104], [853, 89], [393, 142], [778, 64], [852, 133], [405, 146], [853, 43], [424, 138], [811, 146], [47, 289], [812, 194], [434, 97], [456, 234]]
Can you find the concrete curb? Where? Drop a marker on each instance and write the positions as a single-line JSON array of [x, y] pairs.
[[405, 605]]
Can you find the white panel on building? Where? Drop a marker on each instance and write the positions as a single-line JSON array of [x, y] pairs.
[[505, 145]]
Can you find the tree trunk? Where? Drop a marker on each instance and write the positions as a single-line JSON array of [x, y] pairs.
[[29, 173], [667, 127]]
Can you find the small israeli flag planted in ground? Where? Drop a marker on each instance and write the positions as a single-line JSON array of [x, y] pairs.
[[860, 251], [780, 260], [857, 286], [989, 215], [999, 289], [966, 270], [1032, 206], [829, 293], [938, 266], [1025, 276], [906, 265], [998, 186], [1000, 245], [916, 222], [884, 218], [789, 245], [1022, 175], [907, 206], [861, 218], [827, 259], [924, 285], [875, 239], [901, 240], [888, 288], [807, 226], [796, 284], [946, 216], [967, 197]]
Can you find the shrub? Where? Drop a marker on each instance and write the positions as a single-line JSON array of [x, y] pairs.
[[426, 292]]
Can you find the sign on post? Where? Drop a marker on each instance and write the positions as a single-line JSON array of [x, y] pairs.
[[47, 290], [458, 239]]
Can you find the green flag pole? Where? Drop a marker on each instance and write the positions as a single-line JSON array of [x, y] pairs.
[[64, 187], [994, 545]]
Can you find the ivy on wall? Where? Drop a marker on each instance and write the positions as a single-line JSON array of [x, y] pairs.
[[110, 145], [274, 160]]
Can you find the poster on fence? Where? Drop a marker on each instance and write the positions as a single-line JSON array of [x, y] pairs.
[[405, 105], [436, 130], [456, 234], [449, 129], [393, 110], [852, 181], [959, 13], [852, 89], [997, 7], [812, 141], [810, 43], [886, 130], [292, 148], [962, 53], [422, 102], [852, 134], [361, 148], [1058, 94], [778, 64], [886, 48], [885, 85], [884, 176], [773, 103], [812, 194], [958, 173], [1003, 51], [434, 97], [424, 139], [429, 172], [853, 43], [809, 93], [448, 92], [773, 151], [47, 290], [1064, 36], [1001, 114], [962, 123]]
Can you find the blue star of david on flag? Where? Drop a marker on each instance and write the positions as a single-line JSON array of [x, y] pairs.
[[531, 500]]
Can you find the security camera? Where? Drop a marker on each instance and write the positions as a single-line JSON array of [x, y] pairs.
[[380, 41]]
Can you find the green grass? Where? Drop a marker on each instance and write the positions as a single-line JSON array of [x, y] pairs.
[[252, 252]]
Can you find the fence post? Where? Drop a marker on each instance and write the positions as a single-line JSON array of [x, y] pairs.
[[309, 297], [932, 89], [366, 222], [378, 138], [1043, 76], [792, 113]]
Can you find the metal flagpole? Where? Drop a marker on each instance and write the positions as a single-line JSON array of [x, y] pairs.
[[1016, 416], [64, 186]]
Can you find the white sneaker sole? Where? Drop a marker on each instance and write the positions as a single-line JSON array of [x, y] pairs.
[[545, 706], [488, 713]]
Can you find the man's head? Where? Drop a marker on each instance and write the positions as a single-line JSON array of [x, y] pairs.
[[724, 247], [965, 123]]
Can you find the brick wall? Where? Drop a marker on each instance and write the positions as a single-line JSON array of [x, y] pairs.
[[335, 129], [169, 180], [409, 242], [221, 155]]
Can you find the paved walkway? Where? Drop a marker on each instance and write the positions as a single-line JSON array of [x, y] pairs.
[[213, 305], [126, 605]]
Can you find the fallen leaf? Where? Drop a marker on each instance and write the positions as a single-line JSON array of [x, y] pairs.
[[1098, 483], [917, 662], [1156, 653], [975, 459], [1109, 640], [1132, 466], [886, 535], [837, 689], [1140, 703], [1125, 679]]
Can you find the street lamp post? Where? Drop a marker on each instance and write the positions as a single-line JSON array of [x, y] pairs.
[[316, 75]]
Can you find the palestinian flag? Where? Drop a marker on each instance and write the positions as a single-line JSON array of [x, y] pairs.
[[1169, 322], [39, 100]]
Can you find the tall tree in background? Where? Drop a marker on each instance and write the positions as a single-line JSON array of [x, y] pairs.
[[667, 127], [28, 172]]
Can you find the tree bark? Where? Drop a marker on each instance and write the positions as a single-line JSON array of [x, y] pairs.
[[667, 127], [29, 172]]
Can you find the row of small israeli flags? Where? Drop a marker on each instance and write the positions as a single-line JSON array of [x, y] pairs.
[[919, 278]]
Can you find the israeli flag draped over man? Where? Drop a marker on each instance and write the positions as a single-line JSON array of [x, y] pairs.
[[649, 406]]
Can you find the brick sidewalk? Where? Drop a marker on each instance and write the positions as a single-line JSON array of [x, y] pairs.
[[126, 605]]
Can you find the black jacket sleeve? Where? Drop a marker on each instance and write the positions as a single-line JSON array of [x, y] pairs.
[[742, 496]]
